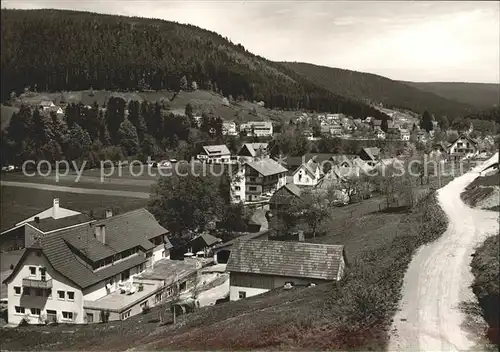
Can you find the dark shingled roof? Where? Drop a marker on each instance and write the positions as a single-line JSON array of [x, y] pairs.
[[207, 238], [282, 258], [249, 236], [285, 194], [123, 232], [51, 224]]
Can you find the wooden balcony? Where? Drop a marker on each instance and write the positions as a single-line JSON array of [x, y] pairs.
[[37, 283]]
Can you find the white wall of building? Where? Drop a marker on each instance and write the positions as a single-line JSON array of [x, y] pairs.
[[159, 252], [44, 303], [304, 178], [234, 292]]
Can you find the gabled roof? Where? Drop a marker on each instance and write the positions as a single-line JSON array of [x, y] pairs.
[[310, 167], [123, 232], [50, 224], [48, 213], [266, 167], [285, 194], [463, 135], [249, 236], [283, 258], [212, 150], [252, 148], [372, 152], [208, 239]]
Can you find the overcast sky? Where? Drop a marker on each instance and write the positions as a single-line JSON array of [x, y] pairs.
[[417, 41]]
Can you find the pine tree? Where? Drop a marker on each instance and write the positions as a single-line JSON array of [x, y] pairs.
[[129, 140], [426, 122]]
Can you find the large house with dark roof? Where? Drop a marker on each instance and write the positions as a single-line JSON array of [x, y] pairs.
[[48, 221], [61, 272], [257, 266], [263, 178]]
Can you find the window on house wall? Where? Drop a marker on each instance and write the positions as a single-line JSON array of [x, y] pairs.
[[19, 310], [253, 188], [67, 315], [237, 188], [158, 297], [32, 270], [35, 311], [71, 296], [61, 295], [27, 291], [149, 254], [242, 294], [17, 290], [90, 318], [182, 286], [125, 315], [125, 275]]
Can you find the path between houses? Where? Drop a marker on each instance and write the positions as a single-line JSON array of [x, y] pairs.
[[102, 192], [438, 279]]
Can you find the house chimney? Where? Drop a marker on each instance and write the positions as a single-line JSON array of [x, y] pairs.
[[55, 208], [101, 233], [301, 236], [37, 219], [109, 213]]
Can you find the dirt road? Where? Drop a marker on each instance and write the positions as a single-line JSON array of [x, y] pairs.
[[102, 192], [438, 279]]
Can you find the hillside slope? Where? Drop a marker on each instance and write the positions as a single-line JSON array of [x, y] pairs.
[[360, 85], [483, 95], [54, 50]]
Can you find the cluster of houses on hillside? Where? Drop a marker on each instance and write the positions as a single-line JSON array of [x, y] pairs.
[[258, 175], [79, 270]]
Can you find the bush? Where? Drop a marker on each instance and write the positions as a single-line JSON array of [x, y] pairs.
[[485, 267]]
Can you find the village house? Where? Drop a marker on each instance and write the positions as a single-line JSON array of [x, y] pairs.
[[307, 174], [405, 134], [229, 128], [370, 155], [379, 133], [258, 266], [284, 197], [252, 152], [331, 130], [202, 244], [463, 147], [76, 274], [237, 185], [263, 178], [46, 104], [25, 232], [217, 154], [258, 128]]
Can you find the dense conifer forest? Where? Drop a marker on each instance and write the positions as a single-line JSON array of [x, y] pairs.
[[58, 50]]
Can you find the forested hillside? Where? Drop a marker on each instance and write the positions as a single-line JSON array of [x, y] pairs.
[[55, 50], [483, 95], [362, 86]]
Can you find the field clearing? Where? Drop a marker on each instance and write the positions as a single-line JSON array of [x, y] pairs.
[[18, 203]]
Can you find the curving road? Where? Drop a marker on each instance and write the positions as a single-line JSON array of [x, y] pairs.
[[438, 279]]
